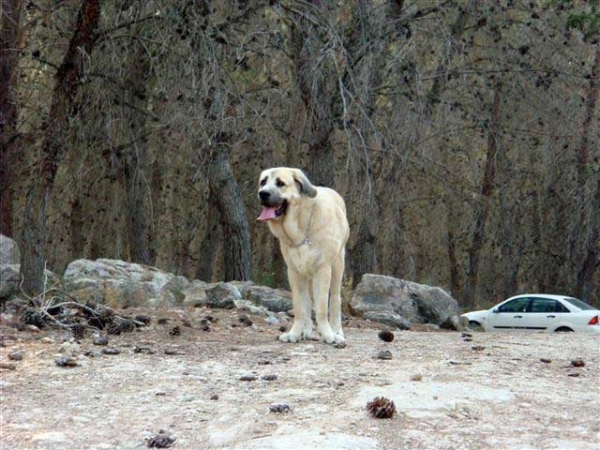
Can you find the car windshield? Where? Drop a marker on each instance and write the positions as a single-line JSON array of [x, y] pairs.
[[578, 303]]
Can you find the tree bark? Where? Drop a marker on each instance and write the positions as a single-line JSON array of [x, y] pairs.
[[209, 246], [316, 91], [487, 189], [67, 78], [589, 209], [225, 193], [585, 276], [9, 148], [134, 157]]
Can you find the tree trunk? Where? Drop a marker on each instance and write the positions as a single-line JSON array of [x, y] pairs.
[[135, 154], [209, 246], [56, 126], [585, 276], [316, 91], [225, 193], [9, 148], [487, 188], [590, 208]]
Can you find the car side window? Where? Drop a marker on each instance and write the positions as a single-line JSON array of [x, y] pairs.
[[543, 305], [516, 305], [561, 308]]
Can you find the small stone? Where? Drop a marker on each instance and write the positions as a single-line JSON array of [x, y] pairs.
[[269, 377], [47, 340], [384, 354], [214, 397], [205, 328], [66, 361], [272, 320], [245, 320], [248, 377], [468, 339], [70, 348], [478, 348], [171, 351], [340, 345], [578, 362], [35, 329], [110, 351], [574, 375], [8, 366], [162, 321], [99, 339], [92, 354], [17, 355], [545, 361], [416, 377], [466, 335], [280, 408], [263, 362]]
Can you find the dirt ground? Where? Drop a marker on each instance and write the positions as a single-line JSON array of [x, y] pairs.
[[493, 392]]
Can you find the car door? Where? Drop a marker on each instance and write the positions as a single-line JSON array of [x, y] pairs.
[[544, 314], [510, 315]]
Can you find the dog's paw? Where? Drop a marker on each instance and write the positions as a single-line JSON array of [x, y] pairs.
[[308, 333], [290, 337]]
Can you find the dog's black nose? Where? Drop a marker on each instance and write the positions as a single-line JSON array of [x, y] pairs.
[[264, 195]]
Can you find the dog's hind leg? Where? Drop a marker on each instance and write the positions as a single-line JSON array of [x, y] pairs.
[[300, 297], [335, 299]]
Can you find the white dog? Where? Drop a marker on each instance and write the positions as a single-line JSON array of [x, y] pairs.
[[310, 223]]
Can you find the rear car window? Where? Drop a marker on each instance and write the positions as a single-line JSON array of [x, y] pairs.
[[578, 303]]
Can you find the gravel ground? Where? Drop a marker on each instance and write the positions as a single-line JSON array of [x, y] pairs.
[[491, 392]]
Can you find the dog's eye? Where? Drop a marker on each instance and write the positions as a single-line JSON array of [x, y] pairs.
[[263, 181], [280, 183]]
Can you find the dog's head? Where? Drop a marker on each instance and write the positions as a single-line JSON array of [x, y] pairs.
[[281, 188]]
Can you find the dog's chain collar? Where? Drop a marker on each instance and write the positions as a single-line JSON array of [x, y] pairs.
[[306, 240]]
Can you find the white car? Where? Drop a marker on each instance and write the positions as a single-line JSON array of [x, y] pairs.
[[541, 312]]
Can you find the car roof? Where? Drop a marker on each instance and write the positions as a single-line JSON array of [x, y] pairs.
[[552, 296]]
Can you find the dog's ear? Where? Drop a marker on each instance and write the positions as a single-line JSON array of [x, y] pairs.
[[305, 186]]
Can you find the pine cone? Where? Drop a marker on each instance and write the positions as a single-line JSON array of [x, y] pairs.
[[32, 316], [386, 336], [146, 320], [113, 328], [381, 408], [176, 331], [160, 441], [78, 331]]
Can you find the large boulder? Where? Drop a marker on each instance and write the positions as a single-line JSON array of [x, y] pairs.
[[9, 251], [121, 284], [399, 303]]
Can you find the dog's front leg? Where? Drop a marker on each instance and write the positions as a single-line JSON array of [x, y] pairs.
[[302, 326], [321, 283]]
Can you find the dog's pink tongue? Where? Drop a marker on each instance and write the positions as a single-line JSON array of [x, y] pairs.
[[267, 213]]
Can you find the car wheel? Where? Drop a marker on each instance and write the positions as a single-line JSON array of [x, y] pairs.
[[563, 330], [475, 326]]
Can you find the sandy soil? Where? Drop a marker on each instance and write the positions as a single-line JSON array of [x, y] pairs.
[[491, 392]]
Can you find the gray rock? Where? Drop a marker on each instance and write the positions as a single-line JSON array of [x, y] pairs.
[[195, 294], [398, 302], [118, 283], [222, 295], [177, 286], [9, 251], [455, 322], [276, 300]]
